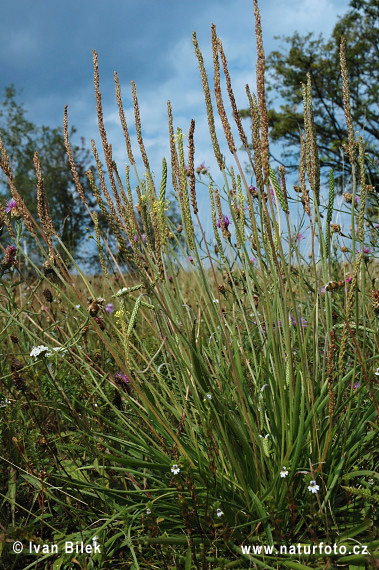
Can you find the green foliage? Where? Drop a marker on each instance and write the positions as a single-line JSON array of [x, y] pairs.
[[228, 397], [22, 139], [288, 69]]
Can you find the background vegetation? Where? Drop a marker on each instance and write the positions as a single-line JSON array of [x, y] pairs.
[[222, 392]]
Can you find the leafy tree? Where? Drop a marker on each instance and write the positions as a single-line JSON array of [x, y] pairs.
[[22, 138], [288, 68]]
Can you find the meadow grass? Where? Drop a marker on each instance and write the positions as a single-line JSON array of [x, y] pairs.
[[201, 394]]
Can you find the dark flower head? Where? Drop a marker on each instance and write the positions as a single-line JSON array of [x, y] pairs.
[[226, 222], [11, 205], [121, 377]]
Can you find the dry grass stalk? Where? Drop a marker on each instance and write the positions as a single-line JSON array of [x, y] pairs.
[[123, 120], [175, 174], [218, 94], [346, 104], [75, 174], [232, 98], [191, 166], [137, 119], [43, 207], [261, 92], [208, 104], [6, 168]]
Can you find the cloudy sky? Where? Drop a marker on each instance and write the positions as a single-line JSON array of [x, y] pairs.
[[46, 50]]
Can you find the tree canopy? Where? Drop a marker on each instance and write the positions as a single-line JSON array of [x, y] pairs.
[[287, 69], [21, 139]]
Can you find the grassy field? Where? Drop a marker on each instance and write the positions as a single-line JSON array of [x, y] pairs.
[[203, 397]]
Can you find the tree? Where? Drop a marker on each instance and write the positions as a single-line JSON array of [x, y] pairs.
[[21, 139], [287, 70]]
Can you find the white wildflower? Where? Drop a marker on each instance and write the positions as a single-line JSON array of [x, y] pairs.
[[4, 403], [376, 372], [219, 512], [175, 469], [284, 472], [37, 350], [121, 292], [56, 350], [313, 487], [148, 511]]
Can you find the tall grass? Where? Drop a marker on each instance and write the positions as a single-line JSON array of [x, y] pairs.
[[221, 392]]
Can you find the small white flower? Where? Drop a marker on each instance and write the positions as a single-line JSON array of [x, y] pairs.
[[284, 472], [209, 396], [56, 350], [148, 511], [175, 469], [370, 481], [94, 539], [313, 487], [4, 403], [121, 292], [37, 350], [376, 372], [219, 512], [216, 301], [77, 306]]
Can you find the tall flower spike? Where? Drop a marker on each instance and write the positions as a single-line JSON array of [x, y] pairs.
[[67, 144], [330, 212], [139, 133], [174, 156], [107, 148], [123, 120], [231, 97], [218, 94], [256, 139], [362, 176], [346, 103], [261, 91], [6, 168], [191, 154], [208, 104], [43, 207]]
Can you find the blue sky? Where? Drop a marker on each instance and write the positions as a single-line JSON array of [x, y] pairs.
[[46, 50]]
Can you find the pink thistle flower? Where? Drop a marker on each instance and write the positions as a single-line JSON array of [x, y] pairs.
[[11, 205]]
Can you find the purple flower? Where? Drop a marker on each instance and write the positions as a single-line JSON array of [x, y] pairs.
[[202, 169], [190, 259], [302, 322], [10, 253], [356, 385], [252, 260], [366, 250], [109, 308], [272, 192], [123, 381], [226, 222], [11, 205], [121, 377], [297, 237], [252, 189]]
